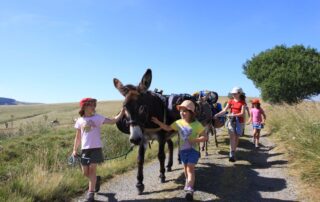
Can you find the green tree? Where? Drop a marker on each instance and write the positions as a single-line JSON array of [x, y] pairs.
[[285, 74]]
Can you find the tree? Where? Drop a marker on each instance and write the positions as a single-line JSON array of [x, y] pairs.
[[285, 74]]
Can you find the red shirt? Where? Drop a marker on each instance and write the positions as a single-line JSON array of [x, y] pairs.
[[236, 107]]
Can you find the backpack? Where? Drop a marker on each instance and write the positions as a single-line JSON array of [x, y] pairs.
[[217, 122]]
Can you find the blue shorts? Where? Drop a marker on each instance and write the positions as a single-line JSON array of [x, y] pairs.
[[257, 126], [189, 156]]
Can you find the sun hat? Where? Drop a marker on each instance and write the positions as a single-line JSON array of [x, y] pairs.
[[255, 101], [86, 100], [187, 104], [236, 90]]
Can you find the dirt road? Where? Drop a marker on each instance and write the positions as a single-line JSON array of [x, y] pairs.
[[257, 175]]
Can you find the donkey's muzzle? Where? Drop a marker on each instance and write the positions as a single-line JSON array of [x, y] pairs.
[[135, 141]]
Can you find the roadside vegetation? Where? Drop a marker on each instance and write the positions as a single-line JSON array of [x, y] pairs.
[[297, 128], [34, 154]]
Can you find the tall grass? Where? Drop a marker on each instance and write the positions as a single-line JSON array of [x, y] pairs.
[[34, 166], [33, 154], [298, 127]]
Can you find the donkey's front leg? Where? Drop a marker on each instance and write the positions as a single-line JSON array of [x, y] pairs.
[[140, 185], [170, 161], [162, 158]]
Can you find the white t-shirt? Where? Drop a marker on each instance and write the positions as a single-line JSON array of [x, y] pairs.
[[90, 131]]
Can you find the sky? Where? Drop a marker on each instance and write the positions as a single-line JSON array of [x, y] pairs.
[[63, 50]]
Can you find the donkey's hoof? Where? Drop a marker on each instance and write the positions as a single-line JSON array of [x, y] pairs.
[[140, 188], [169, 169], [162, 179]]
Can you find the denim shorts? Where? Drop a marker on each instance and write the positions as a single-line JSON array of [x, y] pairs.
[[233, 129], [257, 125], [189, 156]]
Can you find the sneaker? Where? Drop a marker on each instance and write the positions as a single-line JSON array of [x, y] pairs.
[[189, 196], [189, 189], [232, 159], [90, 197], [97, 187]]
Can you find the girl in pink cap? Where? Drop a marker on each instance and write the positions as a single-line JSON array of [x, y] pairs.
[[191, 133], [88, 135], [257, 118]]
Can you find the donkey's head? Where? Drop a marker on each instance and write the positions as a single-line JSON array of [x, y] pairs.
[[138, 106]]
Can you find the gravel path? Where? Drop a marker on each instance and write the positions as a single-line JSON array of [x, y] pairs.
[[257, 175]]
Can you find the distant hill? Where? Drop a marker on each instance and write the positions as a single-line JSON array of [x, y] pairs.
[[9, 101]]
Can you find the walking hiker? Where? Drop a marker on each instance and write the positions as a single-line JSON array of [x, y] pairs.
[[236, 119], [191, 133], [257, 118], [88, 128]]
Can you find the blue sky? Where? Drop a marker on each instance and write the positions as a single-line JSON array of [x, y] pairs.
[[60, 51]]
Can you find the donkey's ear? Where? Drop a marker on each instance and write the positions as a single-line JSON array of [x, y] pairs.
[[145, 81], [122, 89]]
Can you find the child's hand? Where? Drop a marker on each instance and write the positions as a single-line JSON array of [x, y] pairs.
[[230, 115], [74, 153]]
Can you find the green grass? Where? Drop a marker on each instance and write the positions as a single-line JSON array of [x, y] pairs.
[[298, 128], [34, 158]]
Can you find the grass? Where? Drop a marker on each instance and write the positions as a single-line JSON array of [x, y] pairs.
[[297, 127], [34, 157], [34, 154]]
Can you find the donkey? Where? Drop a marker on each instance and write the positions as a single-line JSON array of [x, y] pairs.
[[140, 105], [204, 115]]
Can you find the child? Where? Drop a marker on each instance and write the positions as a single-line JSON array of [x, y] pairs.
[[236, 119], [191, 132], [257, 118], [88, 134]]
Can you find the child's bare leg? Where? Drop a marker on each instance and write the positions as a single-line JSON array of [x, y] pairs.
[[237, 142], [92, 177], [191, 174], [186, 174], [257, 137], [233, 143], [254, 135], [85, 171]]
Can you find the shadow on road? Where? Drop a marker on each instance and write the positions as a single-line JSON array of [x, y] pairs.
[[239, 182]]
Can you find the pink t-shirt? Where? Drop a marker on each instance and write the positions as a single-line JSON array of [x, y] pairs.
[[256, 115], [90, 131]]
